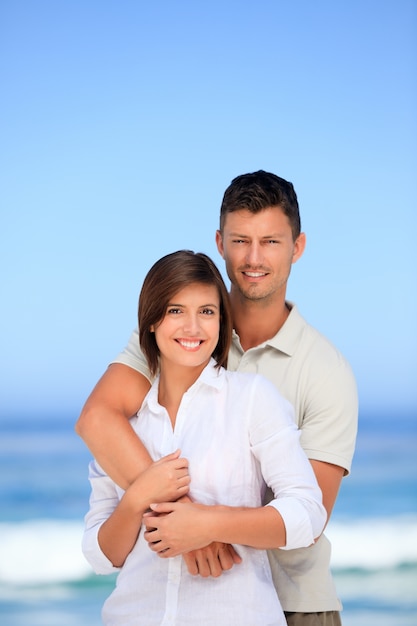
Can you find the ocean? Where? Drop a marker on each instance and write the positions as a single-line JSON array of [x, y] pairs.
[[45, 581]]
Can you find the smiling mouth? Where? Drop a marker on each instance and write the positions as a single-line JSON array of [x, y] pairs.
[[189, 344], [254, 274]]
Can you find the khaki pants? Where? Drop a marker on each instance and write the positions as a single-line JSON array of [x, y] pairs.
[[329, 618]]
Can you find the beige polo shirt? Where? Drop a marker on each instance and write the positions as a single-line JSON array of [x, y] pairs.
[[314, 376]]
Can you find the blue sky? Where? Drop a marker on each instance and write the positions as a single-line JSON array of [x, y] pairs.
[[121, 125]]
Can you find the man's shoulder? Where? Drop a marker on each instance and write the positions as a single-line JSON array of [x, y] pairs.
[[300, 327], [309, 343]]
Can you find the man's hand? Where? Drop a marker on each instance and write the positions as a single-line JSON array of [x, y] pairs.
[[212, 560], [203, 560], [176, 527]]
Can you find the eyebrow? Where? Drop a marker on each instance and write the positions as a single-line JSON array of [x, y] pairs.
[[200, 306], [271, 236]]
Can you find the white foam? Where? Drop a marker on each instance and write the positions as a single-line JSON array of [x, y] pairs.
[[373, 543], [42, 551], [49, 551]]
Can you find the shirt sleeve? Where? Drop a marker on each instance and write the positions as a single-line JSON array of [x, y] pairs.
[[103, 500], [133, 357], [275, 442], [330, 411]]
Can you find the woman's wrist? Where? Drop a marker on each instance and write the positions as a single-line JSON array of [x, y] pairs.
[[134, 505]]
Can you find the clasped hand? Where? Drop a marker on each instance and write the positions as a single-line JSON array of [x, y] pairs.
[[174, 528]]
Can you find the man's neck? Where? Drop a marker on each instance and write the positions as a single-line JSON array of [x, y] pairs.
[[255, 322]]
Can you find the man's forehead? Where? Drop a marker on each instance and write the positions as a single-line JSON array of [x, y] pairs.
[[244, 218]]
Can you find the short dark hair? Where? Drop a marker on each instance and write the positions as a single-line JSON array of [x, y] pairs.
[[262, 190], [166, 277]]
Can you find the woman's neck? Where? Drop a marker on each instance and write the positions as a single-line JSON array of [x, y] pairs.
[[174, 381]]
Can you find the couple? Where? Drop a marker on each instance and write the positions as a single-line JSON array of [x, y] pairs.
[[259, 238]]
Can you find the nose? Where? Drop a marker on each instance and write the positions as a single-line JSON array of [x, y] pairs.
[[254, 254], [191, 324]]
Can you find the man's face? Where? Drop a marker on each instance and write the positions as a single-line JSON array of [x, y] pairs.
[[258, 250]]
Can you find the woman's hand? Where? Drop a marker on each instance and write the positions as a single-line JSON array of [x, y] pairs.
[[166, 479]]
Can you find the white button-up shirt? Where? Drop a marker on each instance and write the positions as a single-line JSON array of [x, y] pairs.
[[238, 434]]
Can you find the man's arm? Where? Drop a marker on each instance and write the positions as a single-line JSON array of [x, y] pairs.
[[329, 427], [329, 478], [103, 423], [180, 527]]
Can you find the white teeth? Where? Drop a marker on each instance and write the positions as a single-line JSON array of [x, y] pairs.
[[189, 344], [255, 274]]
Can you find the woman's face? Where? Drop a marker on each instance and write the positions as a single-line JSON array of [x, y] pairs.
[[189, 332]]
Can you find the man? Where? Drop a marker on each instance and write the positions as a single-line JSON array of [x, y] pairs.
[[259, 238]]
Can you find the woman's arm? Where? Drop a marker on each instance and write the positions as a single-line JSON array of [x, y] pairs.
[[104, 426], [119, 533]]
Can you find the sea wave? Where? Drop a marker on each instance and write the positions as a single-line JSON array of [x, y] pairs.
[[42, 552], [374, 543]]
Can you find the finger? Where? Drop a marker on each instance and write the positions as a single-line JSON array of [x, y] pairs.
[[191, 563], [225, 558], [182, 491], [235, 555], [202, 564], [181, 463], [172, 456], [163, 507], [150, 521], [151, 536], [214, 565], [155, 546], [184, 482], [167, 552], [182, 476]]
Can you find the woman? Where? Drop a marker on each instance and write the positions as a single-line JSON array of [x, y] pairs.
[[237, 437]]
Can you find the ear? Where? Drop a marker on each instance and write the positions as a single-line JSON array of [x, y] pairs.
[[299, 247], [152, 329], [219, 243]]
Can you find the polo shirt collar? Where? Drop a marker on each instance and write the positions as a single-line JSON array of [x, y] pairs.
[[289, 335]]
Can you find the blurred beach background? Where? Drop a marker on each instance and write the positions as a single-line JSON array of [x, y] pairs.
[[121, 125], [45, 581]]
